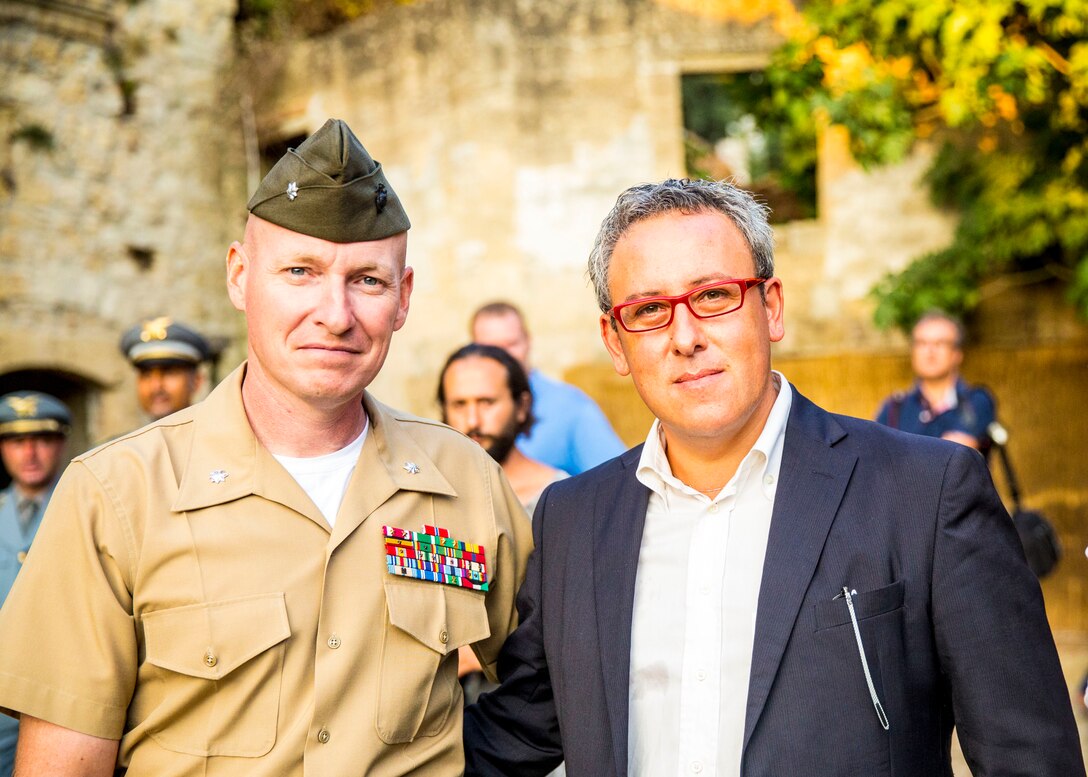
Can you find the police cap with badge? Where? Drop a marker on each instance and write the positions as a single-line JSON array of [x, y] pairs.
[[162, 341], [330, 188], [33, 412]]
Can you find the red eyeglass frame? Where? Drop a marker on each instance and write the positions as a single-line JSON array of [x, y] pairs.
[[685, 299]]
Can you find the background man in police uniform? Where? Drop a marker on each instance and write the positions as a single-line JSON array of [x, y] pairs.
[[167, 356], [33, 430], [229, 592]]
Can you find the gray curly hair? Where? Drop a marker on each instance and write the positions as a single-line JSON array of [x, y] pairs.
[[686, 196]]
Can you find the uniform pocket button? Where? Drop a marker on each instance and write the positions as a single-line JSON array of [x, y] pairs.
[[334, 642], [323, 736], [209, 659], [443, 636]]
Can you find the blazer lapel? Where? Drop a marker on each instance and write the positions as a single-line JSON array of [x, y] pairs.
[[812, 481], [619, 517]]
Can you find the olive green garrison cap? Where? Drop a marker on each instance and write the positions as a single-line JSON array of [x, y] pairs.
[[330, 187]]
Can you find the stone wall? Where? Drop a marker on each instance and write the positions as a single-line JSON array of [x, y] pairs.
[[119, 189]]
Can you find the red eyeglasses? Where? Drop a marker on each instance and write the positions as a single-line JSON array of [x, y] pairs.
[[709, 301]]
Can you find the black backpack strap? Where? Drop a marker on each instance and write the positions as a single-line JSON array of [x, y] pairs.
[[895, 408]]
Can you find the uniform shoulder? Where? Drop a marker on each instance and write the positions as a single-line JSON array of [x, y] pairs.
[[426, 431], [146, 437]]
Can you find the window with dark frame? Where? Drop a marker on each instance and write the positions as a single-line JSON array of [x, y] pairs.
[[730, 133]]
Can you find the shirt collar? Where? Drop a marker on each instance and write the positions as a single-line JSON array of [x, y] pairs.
[[226, 461], [655, 473]]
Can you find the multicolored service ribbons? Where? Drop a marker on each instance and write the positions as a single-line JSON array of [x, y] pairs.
[[432, 555]]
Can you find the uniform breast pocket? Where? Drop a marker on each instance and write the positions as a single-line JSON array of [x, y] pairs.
[[427, 622], [220, 670]]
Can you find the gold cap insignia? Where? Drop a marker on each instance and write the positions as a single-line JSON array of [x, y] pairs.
[[24, 407], [155, 329]]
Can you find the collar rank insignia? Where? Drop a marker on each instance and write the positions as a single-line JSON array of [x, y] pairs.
[[433, 556]]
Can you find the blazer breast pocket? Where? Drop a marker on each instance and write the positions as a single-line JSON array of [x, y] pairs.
[[867, 604]]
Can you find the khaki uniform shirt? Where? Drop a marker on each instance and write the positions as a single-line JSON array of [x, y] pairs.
[[185, 596]]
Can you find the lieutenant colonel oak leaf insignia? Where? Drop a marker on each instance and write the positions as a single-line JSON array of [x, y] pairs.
[[432, 555]]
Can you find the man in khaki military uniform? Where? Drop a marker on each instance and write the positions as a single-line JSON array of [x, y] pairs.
[[211, 595]]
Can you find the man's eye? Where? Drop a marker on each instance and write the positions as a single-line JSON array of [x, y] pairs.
[[649, 309], [296, 272], [370, 280]]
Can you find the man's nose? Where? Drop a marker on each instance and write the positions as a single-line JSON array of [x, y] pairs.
[[334, 307], [686, 330]]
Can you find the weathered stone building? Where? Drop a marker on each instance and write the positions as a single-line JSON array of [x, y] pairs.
[[118, 190], [507, 127]]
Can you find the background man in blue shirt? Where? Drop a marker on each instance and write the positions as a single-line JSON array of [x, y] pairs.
[[941, 403], [571, 433]]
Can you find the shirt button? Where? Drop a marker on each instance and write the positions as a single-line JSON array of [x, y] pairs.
[[700, 675], [713, 508], [768, 479], [696, 766], [334, 642], [323, 736], [210, 659], [21, 556], [443, 636]]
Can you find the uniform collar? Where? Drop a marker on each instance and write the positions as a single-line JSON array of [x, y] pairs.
[[226, 462]]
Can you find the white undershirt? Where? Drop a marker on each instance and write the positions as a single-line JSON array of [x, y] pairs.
[[325, 478], [696, 591]]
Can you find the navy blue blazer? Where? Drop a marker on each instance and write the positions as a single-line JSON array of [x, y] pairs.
[[951, 617]]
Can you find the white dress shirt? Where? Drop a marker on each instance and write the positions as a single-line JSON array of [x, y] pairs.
[[696, 590]]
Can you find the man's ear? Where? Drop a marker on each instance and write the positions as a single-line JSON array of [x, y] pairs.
[[523, 404], [774, 305], [407, 281], [237, 267], [611, 337]]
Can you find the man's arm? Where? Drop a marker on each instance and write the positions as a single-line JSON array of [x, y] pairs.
[[1011, 704], [48, 750], [514, 730]]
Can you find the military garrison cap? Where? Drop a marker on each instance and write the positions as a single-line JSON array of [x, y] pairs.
[[33, 412], [330, 187], [163, 341]]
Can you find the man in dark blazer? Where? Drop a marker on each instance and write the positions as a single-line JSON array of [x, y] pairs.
[[764, 588]]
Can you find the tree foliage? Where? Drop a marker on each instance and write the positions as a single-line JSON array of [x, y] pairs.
[[1000, 88]]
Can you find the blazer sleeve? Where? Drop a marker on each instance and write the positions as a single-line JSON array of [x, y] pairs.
[[514, 730], [1011, 704]]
